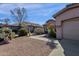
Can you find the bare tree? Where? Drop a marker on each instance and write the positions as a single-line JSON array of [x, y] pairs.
[[5, 20], [19, 14]]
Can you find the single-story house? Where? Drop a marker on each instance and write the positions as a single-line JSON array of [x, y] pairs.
[[10, 26], [13, 27], [67, 22], [30, 26]]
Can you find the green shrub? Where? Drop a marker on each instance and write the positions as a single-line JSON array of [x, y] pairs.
[[52, 33], [22, 32], [39, 31], [1, 33], [0, 30], [5, 33], [6, 30]]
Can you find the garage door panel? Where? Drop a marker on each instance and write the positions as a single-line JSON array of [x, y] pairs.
[[71, 29]]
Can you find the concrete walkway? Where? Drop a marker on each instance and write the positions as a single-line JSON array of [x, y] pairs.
[[40, 37], [58, 51]]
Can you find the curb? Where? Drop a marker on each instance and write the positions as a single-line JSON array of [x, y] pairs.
[[58, 51]]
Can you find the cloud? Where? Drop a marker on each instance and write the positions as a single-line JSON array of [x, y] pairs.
[[5, 8], [35, 11]]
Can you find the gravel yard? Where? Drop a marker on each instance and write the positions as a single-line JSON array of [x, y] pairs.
[[24, 46]]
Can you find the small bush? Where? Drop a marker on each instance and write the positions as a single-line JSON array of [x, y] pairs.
[[22, 32], [52, 33], [5, 33], [7, 30], [0, 30], [13, 34], [1, 33], [39, 31]]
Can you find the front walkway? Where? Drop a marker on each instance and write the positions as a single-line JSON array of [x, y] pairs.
[[58, 51]]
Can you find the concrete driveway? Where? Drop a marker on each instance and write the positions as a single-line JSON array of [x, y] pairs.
[[58, 51], [71, 47]]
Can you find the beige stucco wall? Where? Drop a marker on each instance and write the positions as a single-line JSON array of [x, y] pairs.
[[71, 13], [67, 15], [58, 32]]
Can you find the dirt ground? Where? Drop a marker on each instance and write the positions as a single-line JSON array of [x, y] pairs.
[[24, 46]]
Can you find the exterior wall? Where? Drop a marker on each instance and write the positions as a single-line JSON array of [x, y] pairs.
[[58, 32], [71, 13]]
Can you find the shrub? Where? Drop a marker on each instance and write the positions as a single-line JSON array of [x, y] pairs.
[[13, 35], [1, 34], [7, 30], [22, 32], [0, 30], [39, 31], [52, 33], [5, 33]]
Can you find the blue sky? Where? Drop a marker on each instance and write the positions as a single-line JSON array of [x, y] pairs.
[[37, 13]]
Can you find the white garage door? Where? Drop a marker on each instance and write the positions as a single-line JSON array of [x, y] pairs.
[[71, 29]]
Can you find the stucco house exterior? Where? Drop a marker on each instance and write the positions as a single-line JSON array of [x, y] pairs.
[[31, 26], [67, 22]]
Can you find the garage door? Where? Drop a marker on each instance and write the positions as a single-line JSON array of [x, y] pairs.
[[71, 29]]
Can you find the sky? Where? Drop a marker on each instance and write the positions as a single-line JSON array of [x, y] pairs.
[[37, 13]]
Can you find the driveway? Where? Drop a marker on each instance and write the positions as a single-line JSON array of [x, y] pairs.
[[64, 47], [24, 46], [58, 51], [71, 47], [40, 37]]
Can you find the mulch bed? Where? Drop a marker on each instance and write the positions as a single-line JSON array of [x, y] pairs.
[[24, 46]]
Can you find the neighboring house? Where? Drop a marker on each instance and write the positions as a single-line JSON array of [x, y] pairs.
[[30, 26], [67, 22], [14, 28], [10, 26], [50, 23], [45, 28]]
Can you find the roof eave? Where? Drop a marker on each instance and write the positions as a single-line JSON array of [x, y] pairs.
[[63, 10]]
